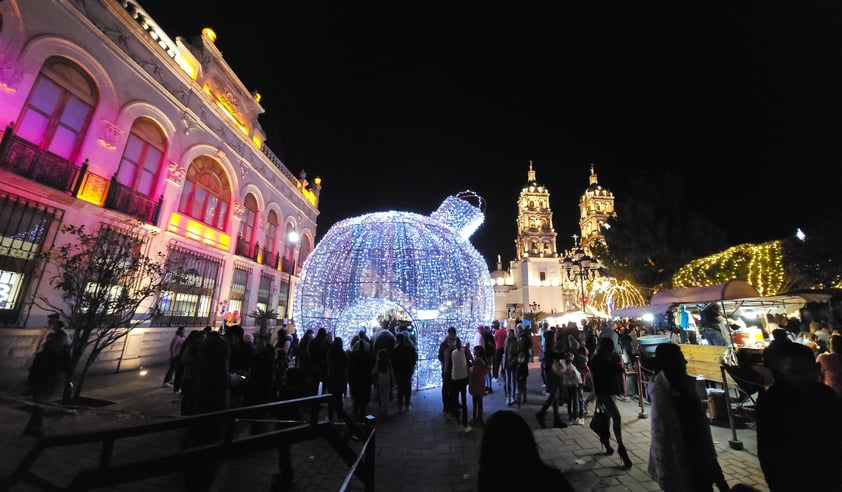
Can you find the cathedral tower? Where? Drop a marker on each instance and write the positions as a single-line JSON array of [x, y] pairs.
[[533, 280], [536, 237], [596, 205]]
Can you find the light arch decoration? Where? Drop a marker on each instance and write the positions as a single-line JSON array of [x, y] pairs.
[[426, 266], [363, 313]]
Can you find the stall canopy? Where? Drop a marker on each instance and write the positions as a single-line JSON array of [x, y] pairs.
[[640, 311], [730, 290], [733, 295]]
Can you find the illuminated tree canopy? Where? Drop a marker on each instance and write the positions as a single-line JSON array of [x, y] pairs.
[[761, 265]]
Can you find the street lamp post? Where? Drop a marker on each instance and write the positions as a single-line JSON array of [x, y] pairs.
[[534, 309], [577, 264], [292, 237]]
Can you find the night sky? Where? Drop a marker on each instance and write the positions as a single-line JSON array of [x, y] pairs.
[[396, 106]]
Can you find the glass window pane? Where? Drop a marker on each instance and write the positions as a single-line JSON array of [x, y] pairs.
[[146, 183], [223, 211], [128, 166], [210, 210], [32, 127], [63, 142], [185, 198], [45, 95], [198, 203], [75, 114]]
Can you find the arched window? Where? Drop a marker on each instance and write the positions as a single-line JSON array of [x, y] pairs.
[[305, 249], [269, 242], [290, 240], [206, 193], [248, 223], [142, 158], [57, 114]]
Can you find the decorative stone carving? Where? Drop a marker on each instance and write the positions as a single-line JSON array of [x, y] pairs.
[[10, 75], [109, 134], [176, 173], [188, 122], [238, 208]]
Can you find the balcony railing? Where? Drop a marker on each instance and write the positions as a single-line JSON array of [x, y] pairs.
[[26, 159], [287, 265], [255, 253], [126, 200], [272, 259], [246, 249]]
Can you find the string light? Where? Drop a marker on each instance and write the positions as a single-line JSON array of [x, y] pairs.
[[422, 269], [761, 265]]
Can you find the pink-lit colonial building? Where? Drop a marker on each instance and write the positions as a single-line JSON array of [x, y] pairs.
[[107, 120]]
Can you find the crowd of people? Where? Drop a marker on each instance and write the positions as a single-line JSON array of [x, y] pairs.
[[215, 370], [226, 368], [580, 367]]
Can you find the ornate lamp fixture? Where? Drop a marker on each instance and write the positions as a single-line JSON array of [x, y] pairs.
[[577, 264]]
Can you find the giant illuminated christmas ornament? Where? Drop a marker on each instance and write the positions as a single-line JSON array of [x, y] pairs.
[[417, 268]]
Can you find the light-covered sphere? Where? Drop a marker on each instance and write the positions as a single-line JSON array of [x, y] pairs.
[[416, 268]]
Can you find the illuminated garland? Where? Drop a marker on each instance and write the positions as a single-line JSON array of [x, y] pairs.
[[761, 265], [608, 292], [421, 267]]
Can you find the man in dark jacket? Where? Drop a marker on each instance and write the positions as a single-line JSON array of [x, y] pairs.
[[46, 374], [448, 398], [781, 434], [553, 382], [404, 358]]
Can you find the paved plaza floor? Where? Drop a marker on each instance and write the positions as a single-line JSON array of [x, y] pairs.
[[420, 450]]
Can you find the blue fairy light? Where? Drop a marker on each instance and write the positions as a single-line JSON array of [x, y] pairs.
[[419, 269]]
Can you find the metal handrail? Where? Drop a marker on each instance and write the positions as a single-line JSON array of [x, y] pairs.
[[221, 445]]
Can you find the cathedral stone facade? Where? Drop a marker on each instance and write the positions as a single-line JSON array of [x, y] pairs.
[[535, 279]]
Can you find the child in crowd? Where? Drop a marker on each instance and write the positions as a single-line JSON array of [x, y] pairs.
[[571, 379], [476, 383], [384, 378]]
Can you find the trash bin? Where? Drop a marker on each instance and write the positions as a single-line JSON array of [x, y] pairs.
[[717, 406]]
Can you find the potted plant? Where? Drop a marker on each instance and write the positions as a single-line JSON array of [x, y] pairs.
[[262, 317]]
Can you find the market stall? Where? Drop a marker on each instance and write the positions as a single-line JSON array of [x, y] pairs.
[[740, 303]]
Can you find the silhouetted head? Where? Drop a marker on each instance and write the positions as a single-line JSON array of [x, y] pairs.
[[234, 332], [507, 442], [797, 365], [606, 345], [670, 359]]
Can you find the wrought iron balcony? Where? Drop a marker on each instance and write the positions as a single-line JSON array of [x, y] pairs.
[[272, 259], [126, 200], [287, 265], [26, 159]]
